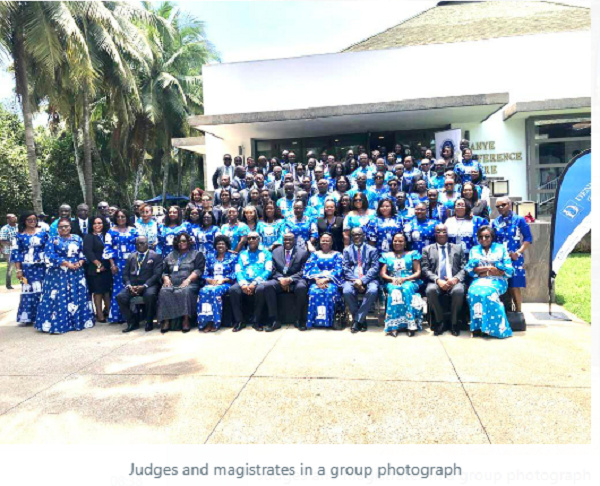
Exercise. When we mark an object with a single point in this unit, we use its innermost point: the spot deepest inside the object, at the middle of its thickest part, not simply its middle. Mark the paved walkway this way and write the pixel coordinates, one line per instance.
(102, 386)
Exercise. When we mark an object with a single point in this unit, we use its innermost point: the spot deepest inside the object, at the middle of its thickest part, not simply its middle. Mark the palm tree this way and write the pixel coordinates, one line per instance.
(35, 35)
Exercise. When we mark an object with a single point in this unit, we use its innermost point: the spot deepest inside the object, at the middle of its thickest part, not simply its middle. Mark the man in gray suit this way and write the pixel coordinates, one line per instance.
(443, 267)
(226, 168)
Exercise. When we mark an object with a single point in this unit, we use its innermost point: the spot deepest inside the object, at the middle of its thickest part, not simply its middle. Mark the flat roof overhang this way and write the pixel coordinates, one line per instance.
(369, 117)
(562, 106)
(191, 144)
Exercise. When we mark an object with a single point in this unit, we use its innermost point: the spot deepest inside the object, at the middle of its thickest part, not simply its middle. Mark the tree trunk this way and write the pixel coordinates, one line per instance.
(78, 165)
(166, 160)
(179, 172)
(23, 92)
(140, 167)
(87, 149)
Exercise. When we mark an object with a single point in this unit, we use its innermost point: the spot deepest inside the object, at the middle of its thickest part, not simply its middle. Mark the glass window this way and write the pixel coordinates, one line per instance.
(343, 143)
(560, 152)
(264, 147)
(563, 128)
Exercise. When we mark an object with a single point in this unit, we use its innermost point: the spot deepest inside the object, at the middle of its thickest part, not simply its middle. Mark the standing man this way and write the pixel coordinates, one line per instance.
(102, 211)
(443, 269)
(226, 168)
(514, 233)
(82, 224)
(225, 185)
(7, 234)
(361, 269)
(253, 267)
(288, 264)
(142, 276)
(64, 211)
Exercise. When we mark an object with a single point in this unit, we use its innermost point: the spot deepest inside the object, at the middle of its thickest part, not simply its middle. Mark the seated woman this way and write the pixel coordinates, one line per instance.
(490, 266)
(323, 271)
(401, 271)
(219, 275)
(28, 254)
(463, 226)
(182, 279)
(66, 304)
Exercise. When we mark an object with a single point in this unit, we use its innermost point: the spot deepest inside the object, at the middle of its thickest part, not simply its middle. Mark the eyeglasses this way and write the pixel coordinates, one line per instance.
(64, 226)
(501, 205)
(252, 237)
(485, 237)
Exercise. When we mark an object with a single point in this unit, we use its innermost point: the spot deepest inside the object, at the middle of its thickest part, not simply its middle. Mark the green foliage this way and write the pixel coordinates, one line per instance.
(573, 285)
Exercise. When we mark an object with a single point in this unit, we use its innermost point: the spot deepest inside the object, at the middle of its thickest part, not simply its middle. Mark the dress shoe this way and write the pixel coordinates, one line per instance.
(149, 327)
(131, 327)
(208, 327)
(185, 329)
(355, 328)
(272, 326)
(257, 327)
(392, 333)
(455, 331)
(363, 326)
(411, 333)
(302, 327)
(477, 333)
(238, 326)
(164, 330)
(10, 287)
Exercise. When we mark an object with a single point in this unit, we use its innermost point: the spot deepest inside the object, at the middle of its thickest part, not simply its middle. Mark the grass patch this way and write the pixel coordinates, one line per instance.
(573, 285)
(3, 273)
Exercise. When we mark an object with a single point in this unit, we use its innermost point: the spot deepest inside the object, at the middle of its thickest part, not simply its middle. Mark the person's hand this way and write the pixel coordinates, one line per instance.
(167, 282)
(139, 289)
(495, 272)
(442, 284)
(184, 284)
(452, 282)
(514, 255)
(252, 288)
(357, 284)
(245, 289)
(114, 269)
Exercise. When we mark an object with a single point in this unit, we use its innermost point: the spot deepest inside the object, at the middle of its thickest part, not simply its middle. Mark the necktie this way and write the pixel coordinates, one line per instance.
(443, 273)
(359, 259)
(85, 227)
(288, 258)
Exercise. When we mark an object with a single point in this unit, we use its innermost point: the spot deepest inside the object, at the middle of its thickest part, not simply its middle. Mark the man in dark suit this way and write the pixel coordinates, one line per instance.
(361, 269)
(226, 168)
(82, 225)
(443, 268)
(288, 264)
(141, 277)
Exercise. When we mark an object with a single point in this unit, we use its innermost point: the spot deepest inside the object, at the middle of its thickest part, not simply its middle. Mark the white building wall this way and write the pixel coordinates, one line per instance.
(530, 68)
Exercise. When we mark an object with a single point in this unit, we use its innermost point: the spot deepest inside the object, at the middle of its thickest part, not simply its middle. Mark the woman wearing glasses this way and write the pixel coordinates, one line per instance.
(27, 252)
(119, 243)
(490, 266)
(65, 304)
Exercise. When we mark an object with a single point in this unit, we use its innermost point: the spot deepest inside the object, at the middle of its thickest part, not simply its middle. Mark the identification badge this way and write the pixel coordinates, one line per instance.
(176, 268)
(123, 248)
(285, 269)
(218, 270)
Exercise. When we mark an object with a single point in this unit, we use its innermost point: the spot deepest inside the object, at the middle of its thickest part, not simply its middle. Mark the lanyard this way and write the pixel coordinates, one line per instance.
(139, 263)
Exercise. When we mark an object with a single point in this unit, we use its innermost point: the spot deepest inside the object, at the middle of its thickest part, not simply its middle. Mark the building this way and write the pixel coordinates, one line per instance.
(514, 76)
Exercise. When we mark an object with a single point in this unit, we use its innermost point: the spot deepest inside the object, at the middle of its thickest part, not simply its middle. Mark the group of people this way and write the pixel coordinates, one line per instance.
(335, 235)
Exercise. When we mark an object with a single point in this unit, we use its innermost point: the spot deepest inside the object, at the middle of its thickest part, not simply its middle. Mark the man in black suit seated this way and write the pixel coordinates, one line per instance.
(141, 277)
(443, 268)
(288, 264)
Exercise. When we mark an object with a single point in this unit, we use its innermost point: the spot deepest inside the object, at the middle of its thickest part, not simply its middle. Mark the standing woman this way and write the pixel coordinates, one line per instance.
(221, 210)
(333, 224)
(381, 230)
(323, 271)
(182, 278)
(270, 230)
(344, 206)
(235, 230)
(195, 199)
(490, 266)
(194, 219)
(401, 271)
(205, 235)
(27, 251)
(420, 231)
(303, 227)
(342, 186)
(478, 207)
(98, 272)
(173, 226)
(336, 171)
(250, 213)
(65, 304)
(254, 200)
(148, 227)
(359, 216)
(219, 275)
(463, 226)
(119, 243)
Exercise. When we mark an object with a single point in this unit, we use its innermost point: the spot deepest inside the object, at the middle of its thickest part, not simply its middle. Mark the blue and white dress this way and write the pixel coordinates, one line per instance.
(118, 246)
(420, 233)
(235, 233)
(512, 231)
(382, 231)
(463, 170)
(286, 206)
(487, 310)
(66, 304)
(167, 234)
(303, 230)
(357, 221)
(404, 303)
(322, 302)
(204, 239)
(210, 301)
(29, 251)
(463, 232)
(270, 233)
(449, 200)
(318, 202)
(150, 230)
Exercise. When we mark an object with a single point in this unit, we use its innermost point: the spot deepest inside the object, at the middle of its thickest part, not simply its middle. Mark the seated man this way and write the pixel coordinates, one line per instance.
(141, 276)
(253, 267)
(443, 269)
(288, 264)
(361, 269)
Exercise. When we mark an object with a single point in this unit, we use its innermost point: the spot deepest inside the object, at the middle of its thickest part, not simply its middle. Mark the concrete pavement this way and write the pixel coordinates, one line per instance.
(102, 386)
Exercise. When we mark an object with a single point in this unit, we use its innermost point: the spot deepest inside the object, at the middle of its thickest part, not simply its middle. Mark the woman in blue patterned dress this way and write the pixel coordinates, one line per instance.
(359, 216)
(323, 271)
(219, 275)
(490, 266)
(27, 251)
(235, 230)
(381, 230)
(463, 226)
(303, 227)
(119, 243)
(173, 226)
(148, 227)
(206, 234)
(66, 304)
(420, 231)
(401, 271)
(271, 230)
